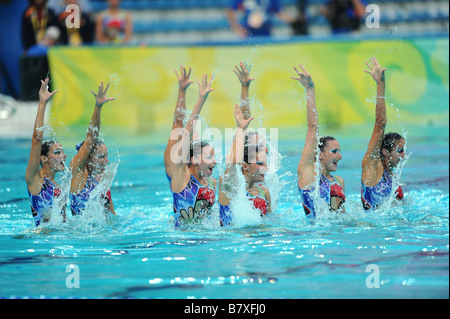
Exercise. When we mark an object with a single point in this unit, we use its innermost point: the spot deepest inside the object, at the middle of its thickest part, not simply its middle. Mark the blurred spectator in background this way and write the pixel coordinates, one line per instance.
(76, 36)
(51, 37)
(113, 25)
(257, 20)
(36, 19)
(344, 15)
(300, 25)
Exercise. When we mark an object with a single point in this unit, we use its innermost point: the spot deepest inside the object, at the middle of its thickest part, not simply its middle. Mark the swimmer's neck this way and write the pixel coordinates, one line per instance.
(327, 174)
(198, 175)
(48, 173)
(249, 184)
(388, 168)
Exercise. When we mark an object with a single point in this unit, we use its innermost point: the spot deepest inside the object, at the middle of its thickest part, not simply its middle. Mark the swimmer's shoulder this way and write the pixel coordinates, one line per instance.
(340, 180)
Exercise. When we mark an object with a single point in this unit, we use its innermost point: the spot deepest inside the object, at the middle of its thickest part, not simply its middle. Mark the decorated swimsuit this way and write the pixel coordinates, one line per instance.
(327, 190)
(42, 203)
(372, 197)
(78, 201)
(193, 200)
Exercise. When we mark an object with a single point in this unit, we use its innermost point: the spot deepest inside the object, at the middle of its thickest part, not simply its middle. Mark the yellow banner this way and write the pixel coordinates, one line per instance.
(145, 86)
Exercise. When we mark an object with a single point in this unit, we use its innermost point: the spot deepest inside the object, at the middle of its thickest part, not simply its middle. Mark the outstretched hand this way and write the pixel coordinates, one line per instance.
(44, 94)
(183, 78)
(304, 78)
(240, 121)
(100, 97)
(204, 86)
(243, 74)
(376, 71)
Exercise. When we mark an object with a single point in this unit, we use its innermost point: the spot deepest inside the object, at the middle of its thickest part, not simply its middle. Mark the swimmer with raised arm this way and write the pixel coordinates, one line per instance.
(190, 179)
(248, 154)
(47, 158)
(384, 153)
(89, 164)
(331, 187)
(252, 161)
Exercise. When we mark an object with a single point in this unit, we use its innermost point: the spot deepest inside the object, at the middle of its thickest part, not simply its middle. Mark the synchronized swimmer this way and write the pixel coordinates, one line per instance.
(250, 157)
(190, 175)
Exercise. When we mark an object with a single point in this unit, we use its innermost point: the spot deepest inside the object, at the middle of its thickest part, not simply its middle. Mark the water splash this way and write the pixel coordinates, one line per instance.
(95, 218)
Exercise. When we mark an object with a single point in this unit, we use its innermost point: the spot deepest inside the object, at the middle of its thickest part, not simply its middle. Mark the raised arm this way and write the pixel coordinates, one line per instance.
(79, 161)
(178, 170)
(180, 108)
(243, 74)
(306, 168)
(372, 158)
(179, 113)
(204, 88)
(32, 171)
(228, 180)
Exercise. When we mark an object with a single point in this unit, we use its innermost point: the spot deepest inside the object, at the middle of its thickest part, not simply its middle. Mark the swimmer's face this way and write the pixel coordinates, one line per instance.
(396, 154)
(98, 159)
(56, 159)
(208, 162)
(256, 169)
(330, 156)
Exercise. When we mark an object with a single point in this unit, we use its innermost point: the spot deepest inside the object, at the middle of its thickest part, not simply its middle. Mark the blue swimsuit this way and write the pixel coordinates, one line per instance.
(78, 201)
(327, 190)
(372, 197)
(42, 203)
(259, 201)
(192, 200)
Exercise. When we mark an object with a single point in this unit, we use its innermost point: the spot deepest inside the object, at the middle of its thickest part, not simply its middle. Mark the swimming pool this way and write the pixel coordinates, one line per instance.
(399, 253)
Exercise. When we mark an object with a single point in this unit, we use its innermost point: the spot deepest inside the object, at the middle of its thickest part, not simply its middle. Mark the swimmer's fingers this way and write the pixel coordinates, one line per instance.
(304, 78)
(189, 73)
(243, 67)
(182, 70)
(44, 84)
(44, 94)
(369, 66)
(301, 66)
(375, 61)
(52, 93)
(243, 74)
(107, 87)
(100, 97)
(204, 86)
(183, 80)
(305, 74)
(237, 110)
(240, 121)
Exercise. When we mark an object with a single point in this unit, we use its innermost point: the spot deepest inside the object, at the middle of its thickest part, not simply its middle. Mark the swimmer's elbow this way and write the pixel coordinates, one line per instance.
(381, 123)
(313, 127)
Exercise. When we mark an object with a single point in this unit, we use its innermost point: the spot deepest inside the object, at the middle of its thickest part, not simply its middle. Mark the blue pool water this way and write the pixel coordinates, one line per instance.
(139, 254)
